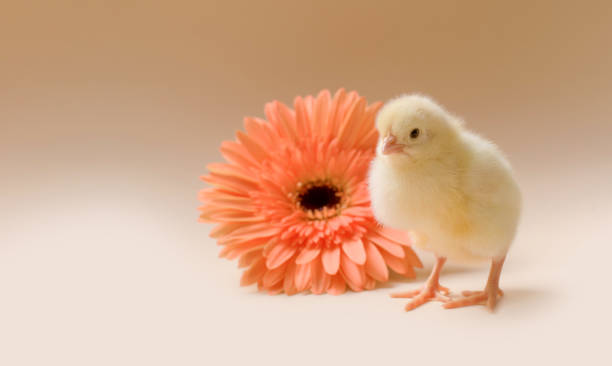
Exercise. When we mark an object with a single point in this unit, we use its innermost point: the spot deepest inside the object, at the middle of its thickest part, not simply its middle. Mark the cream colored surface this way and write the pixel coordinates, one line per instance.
(110, 110)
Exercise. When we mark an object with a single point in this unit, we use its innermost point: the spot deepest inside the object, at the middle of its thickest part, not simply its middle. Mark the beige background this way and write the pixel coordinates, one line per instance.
(110, 110)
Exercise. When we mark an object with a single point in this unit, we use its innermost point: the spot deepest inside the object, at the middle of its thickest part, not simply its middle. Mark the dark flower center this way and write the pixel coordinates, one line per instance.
(319, 195)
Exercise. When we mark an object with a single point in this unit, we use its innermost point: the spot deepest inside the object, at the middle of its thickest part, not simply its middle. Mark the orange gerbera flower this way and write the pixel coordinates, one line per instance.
(293, 204)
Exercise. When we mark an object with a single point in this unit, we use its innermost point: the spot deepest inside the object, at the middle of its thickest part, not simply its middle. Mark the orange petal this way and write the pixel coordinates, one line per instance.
(271, 245)
(320, 279)
(355, 251)
(301, 118)
(303, 274)
(399, 265)
(367, 125)
(334, 114)
(237, 154)
(231, 171)
(411, 257)
(354, 274)
(279, 255)
(358, 211)
(253, 274)
(256, 150)
(248, 258)
(231, 182)
(400, 237)
(391, 247)
(337, 285)
(352, 121)
(348, 103)
(331, 260)
(307, 255)
(236, 217)
(309, 106)
(206, 219)
(321, 112)
(232, 251)
(375, 264)
(256, 129)
(256, 230)
(282, 118)
(212, 193)
(246, 236)
(370, 283)
(275, 275)
(287, 117)
(236, 203)
(371, 138)
(289, 282)
(276, 289)
(231, 215)
(226, 228)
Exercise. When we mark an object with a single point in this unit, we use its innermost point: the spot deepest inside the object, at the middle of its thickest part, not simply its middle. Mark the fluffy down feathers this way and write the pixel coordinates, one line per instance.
(451, 188)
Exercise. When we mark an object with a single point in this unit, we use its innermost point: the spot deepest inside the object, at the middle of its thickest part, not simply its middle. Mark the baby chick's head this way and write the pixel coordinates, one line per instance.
(414, 128)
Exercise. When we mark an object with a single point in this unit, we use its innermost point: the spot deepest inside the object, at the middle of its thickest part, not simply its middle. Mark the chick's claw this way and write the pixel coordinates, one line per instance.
(487, 297)
(425, 294)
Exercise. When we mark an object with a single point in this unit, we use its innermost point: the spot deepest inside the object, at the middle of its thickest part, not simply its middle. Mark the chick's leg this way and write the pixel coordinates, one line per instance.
(488, 296)
(432, 290)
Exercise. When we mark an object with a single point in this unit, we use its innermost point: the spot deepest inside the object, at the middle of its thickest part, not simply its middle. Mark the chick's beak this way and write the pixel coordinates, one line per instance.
(390, 145)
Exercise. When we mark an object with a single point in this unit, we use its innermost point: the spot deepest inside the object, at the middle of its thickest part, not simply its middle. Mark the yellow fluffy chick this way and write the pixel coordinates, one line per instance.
(451, 189)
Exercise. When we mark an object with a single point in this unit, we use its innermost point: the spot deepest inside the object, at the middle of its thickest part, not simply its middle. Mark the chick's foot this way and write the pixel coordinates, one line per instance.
(488, 297)
(429, 292)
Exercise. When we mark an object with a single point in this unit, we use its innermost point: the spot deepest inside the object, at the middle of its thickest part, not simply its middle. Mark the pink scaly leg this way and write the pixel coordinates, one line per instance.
(488, 296)
(430, 291)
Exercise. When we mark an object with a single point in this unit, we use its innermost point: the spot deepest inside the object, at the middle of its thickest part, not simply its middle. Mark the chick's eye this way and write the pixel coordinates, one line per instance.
(415, 133)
